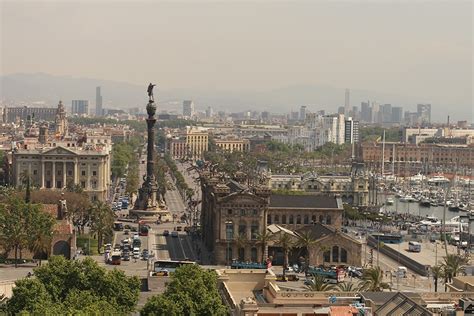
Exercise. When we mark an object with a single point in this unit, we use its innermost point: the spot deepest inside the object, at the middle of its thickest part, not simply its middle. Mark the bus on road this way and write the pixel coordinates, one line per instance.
(170, 265)
(414, 246)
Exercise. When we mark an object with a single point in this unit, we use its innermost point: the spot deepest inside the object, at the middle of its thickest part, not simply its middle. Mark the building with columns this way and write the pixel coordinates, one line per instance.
(54, 168)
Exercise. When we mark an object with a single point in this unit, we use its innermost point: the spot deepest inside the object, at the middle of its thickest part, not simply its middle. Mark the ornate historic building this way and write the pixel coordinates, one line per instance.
(233, 215)
(353, 189)
(231, 219)
(53, 168)
(61, 125)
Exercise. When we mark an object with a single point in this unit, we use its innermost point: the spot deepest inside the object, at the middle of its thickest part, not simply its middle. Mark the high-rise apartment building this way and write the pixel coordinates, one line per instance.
(303, 113)
(347, 102)
(365, 112)
(386, 113)
(351, 131)
(80, 107)
(188, 108)
(209, 112)
(397, 114)
(98, 102)
(424, 113)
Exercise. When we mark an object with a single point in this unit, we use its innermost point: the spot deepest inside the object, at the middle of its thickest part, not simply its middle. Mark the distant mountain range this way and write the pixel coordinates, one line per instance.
(51, 89)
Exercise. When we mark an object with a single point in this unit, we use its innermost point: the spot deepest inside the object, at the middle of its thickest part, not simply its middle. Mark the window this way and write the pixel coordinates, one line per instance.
(255, 212)
(335, 254)
(94, 173)
(242, 229)
(343, 255)
(327, 256)
(253, 254)
(313, 219)
(291, 220)
(59, 184)
(229, 212)
(298, 219)
(306, 219)
(69, 172)
(321, 219)
(269, 219)
(229, 231)
(35, 172)
(83, 172)
(328, 220)
(83, 184)
(48, 172)
(283, 219)
(254, 230)
(276, 219)
(242, 212)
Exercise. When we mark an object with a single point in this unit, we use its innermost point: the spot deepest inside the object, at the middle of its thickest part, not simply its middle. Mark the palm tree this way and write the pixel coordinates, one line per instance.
(263, 239)
(438, 273)
(318, 284)
(374, 280)
(304, 242)
(452, 266)
(286, 243)
(241, 241)
(348, 287)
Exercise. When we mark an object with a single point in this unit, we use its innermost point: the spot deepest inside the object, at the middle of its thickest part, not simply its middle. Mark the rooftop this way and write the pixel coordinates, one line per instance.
(304, 201)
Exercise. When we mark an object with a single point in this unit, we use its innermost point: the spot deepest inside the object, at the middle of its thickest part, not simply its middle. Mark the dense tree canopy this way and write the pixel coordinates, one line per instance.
(192, 291)
(23, 226)
(75, 287)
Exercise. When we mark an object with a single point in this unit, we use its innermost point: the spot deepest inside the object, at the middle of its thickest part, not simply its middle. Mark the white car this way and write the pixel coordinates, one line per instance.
(136, 254)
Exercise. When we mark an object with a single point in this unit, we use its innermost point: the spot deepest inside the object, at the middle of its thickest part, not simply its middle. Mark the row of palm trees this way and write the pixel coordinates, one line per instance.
(372, 281)
(452, 266)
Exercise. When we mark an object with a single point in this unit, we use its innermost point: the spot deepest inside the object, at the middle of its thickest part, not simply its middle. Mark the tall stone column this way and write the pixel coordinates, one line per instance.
(76, 171)
(42, 174)
(54, 174)
(64, 174)
(88, 184)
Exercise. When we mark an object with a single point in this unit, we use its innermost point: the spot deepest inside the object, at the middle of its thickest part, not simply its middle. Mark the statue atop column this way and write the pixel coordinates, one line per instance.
(148, 203)
(150, 92)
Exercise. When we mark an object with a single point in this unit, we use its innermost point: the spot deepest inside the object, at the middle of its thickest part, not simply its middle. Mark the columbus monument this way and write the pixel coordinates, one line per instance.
(147, 205)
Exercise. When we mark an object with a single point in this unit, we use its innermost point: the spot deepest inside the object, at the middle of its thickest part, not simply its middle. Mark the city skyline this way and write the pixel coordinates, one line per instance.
(279, 45)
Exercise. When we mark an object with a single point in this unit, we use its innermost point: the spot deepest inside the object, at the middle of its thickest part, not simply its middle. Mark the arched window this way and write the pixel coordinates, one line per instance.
(321, 219)
(306, 219)
(298, 219)
(343, 255)
(327, 256)
(283, 219)
(229, 230)
(328, 220)
(276, 219)
(253, 254)
(254, 230)
(241, 254)
(313, 219)
(291, 219)
(335, 254)
(269, 219)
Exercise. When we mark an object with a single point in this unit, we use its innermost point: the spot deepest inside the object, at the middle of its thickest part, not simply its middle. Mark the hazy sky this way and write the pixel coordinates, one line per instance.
(410, 48)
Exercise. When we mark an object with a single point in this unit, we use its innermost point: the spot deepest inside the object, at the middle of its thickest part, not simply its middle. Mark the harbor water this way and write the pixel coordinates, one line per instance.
(414, 208)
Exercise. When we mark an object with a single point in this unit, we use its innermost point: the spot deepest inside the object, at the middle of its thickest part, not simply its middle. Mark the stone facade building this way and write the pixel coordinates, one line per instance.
(353, 189)
(233, 215)
(53, 168)
(231, 219)
(190, 144)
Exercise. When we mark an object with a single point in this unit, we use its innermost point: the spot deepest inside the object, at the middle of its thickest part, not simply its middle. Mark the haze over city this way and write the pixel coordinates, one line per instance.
(406, 52)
